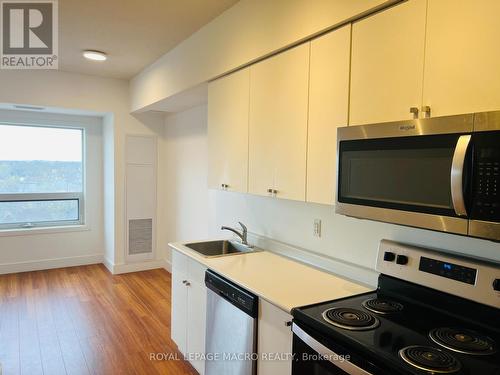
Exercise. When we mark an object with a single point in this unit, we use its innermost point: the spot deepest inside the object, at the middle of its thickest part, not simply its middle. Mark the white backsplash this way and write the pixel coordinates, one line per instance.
(347, 239)
(196, 213)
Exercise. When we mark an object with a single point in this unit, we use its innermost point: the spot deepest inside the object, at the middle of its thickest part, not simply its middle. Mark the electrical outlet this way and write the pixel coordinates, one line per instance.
(317, 228)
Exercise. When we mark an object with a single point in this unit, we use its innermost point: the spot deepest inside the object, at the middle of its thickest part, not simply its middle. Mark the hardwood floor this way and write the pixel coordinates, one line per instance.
(83, 320)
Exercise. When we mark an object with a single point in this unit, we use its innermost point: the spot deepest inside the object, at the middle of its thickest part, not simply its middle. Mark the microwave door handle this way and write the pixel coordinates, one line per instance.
(457, 173)
(329, 355)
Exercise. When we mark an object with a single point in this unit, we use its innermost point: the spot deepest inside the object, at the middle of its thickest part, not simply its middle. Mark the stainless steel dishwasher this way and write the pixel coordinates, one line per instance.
(231, 335)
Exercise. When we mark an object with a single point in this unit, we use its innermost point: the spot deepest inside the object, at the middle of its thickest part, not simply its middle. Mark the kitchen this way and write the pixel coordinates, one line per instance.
(343, 141)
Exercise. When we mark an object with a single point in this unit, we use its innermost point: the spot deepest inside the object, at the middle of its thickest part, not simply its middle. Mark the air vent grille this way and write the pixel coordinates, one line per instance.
(140, 235)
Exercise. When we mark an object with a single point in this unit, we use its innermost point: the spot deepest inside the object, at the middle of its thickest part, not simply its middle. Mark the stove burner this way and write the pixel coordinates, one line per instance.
(463, 341)
(382, 306)
(429, 359)
(351, 319)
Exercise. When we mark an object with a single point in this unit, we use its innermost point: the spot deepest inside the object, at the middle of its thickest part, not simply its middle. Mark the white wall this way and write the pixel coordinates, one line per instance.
(109, 188)
(63, 91)
(346, 239)
(187, 196)
(37, 248)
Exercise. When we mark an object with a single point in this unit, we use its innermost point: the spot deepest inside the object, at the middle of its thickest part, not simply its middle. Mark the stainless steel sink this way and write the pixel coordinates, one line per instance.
(219, 248)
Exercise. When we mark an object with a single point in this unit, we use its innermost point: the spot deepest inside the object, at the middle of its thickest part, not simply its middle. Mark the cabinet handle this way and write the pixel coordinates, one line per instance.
(224, 186)
(414, 110)
(184, 281)
(427, 110)
(288, 323)
(188, 283)
(272, 192)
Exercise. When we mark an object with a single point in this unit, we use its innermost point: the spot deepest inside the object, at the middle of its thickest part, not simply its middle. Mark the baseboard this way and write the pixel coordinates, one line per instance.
(46, 264)
(136, 267)
(322, 262)
(108, 264)
(81, 261)
(168, 265)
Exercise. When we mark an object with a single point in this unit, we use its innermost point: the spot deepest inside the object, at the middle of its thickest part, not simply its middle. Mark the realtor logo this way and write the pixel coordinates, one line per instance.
(29, 37)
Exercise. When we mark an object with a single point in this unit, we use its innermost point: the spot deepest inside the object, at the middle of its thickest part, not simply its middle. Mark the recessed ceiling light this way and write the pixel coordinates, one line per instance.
(95, 55)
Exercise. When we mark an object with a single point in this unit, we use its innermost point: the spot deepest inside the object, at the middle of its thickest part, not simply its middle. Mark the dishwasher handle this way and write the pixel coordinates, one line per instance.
(234, 294)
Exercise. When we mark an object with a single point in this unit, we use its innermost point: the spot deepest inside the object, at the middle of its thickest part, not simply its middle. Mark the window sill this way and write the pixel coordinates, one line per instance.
(42, 230)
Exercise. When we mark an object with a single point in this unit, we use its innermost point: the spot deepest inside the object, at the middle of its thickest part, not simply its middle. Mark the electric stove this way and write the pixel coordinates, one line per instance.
(432, 313)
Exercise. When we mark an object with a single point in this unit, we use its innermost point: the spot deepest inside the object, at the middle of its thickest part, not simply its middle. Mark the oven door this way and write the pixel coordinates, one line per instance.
(311, 357)
(416, 177)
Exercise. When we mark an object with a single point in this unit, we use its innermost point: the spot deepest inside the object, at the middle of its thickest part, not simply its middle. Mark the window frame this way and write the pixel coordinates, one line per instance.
(45, 197)
(57, 123)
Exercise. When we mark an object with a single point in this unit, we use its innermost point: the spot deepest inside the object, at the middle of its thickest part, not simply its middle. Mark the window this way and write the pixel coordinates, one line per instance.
(41, 176)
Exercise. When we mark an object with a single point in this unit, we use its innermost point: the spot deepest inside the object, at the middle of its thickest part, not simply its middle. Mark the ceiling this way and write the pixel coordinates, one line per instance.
(133, 33)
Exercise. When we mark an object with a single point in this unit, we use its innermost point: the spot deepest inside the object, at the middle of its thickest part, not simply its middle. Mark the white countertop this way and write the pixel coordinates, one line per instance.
(281, 281)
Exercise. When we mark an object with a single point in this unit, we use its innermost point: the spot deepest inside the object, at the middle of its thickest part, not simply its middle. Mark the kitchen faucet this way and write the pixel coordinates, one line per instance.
(243, 234)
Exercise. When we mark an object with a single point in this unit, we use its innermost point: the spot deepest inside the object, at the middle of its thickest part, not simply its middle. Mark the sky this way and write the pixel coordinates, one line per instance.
(39, 143)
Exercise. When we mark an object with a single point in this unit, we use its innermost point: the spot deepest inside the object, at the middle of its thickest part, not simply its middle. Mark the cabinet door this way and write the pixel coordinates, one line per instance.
(328, 109)
(196, 318)
(228, 132)
(179, 301)
(462, 58)
(387, 64)
(278, 124)
(274, 336)
(196, 312)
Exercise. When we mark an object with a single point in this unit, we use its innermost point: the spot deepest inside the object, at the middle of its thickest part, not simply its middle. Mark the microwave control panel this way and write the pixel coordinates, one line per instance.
(486, 194)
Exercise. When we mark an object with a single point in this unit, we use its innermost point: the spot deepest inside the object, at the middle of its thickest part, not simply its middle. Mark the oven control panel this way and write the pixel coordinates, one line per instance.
(449, 270)
(461, 276)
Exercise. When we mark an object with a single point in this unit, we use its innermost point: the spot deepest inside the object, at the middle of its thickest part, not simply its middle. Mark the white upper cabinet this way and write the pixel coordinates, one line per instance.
(387, 64)
(462, 58)
(228, 132)
(272, 126)
(328, 109)
(278, 124)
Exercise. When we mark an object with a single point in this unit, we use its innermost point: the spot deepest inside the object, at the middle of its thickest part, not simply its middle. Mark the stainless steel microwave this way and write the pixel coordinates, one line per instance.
(438, 173)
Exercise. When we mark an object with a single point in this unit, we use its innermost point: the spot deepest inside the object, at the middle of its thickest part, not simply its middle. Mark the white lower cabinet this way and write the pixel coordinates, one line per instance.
(274, 340)
(179, 302)
(189, 301)
(189, 305)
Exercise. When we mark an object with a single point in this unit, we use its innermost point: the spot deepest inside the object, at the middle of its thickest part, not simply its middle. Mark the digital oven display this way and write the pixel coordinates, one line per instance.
(449, 270)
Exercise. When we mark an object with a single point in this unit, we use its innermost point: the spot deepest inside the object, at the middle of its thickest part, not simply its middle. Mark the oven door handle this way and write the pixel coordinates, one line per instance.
(329, 355)
(457, 174)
